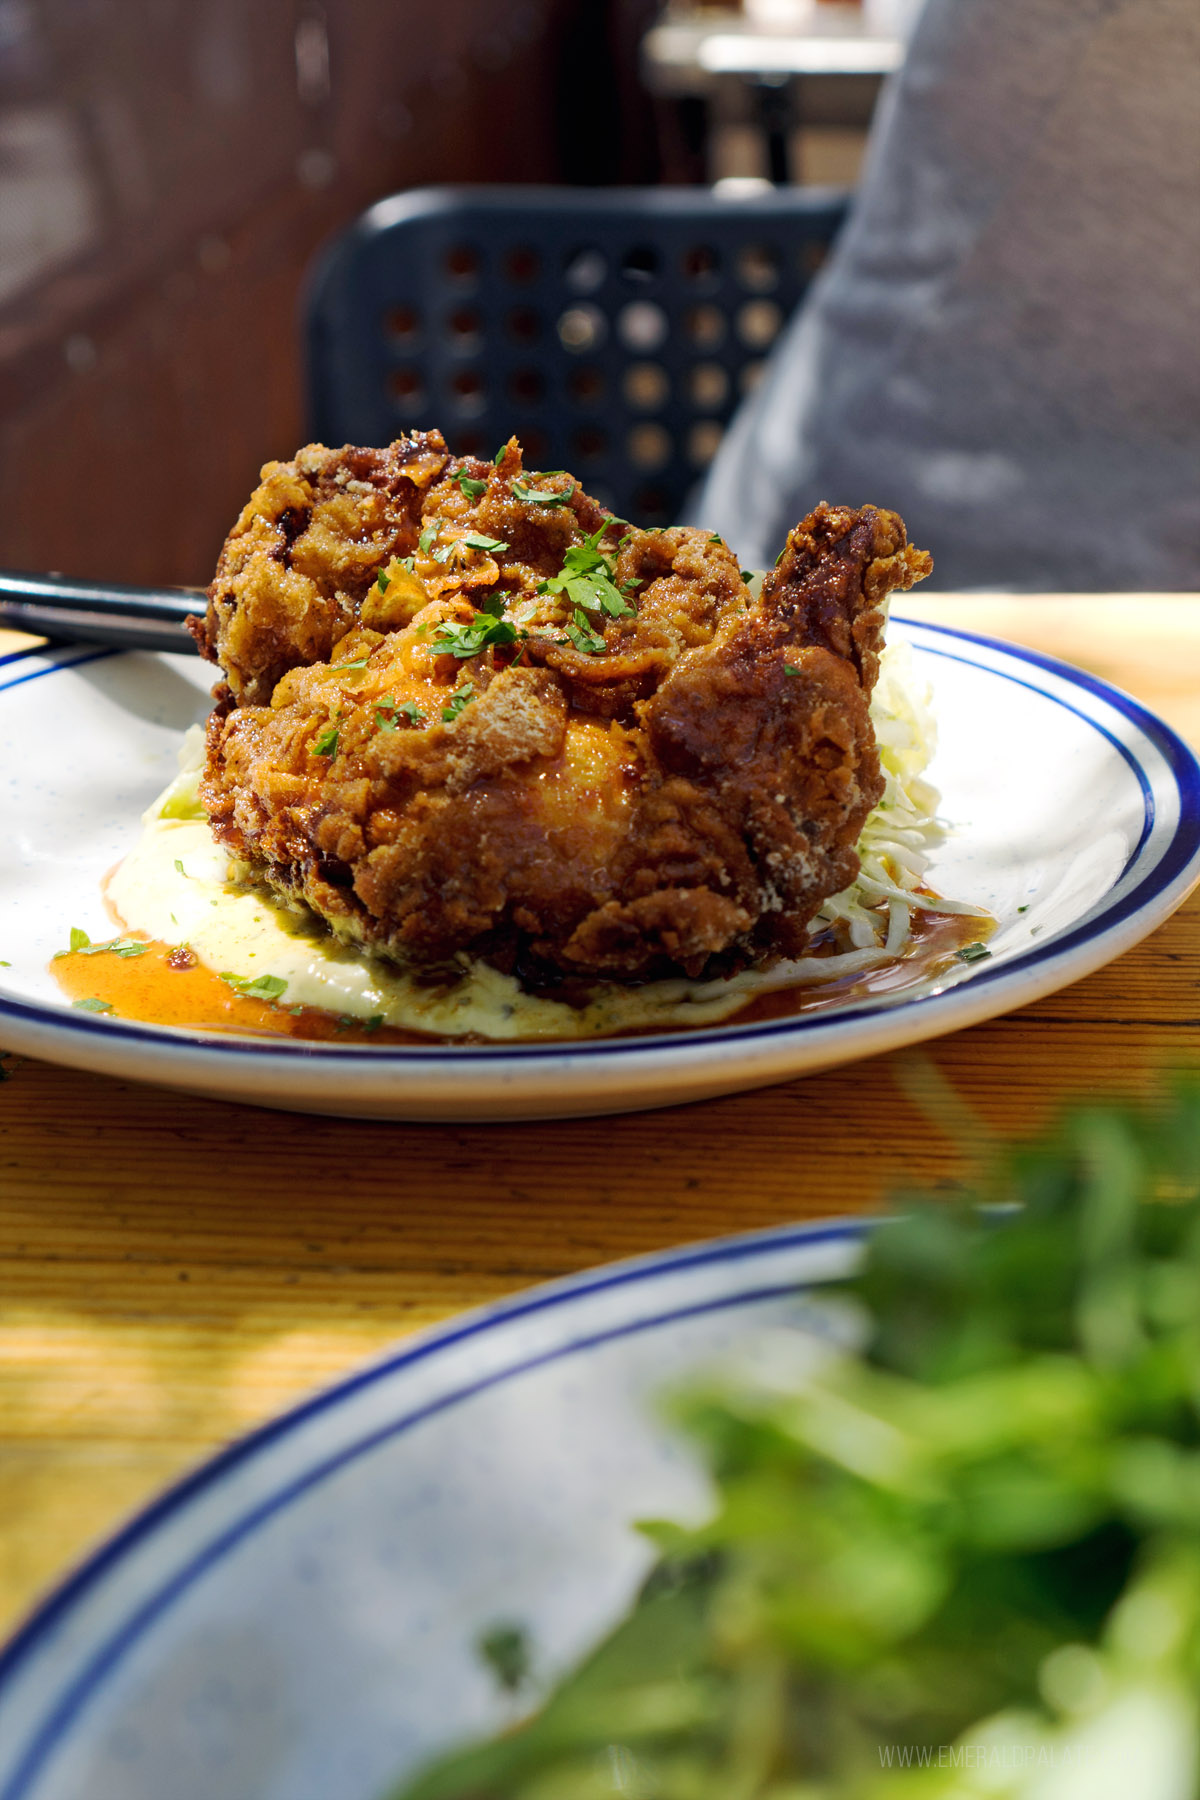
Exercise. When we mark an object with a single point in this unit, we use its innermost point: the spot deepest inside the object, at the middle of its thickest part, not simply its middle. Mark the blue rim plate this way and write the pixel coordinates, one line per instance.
(1075, 819)
(297, 1619)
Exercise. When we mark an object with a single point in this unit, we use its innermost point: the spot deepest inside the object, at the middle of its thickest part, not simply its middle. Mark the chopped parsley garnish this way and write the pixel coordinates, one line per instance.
(747, 575)
(348, 668)
(790, 669)
(542, 496)
(973, 953)
(82, 945)
(383, 581)
(327, 742)
(471, 489)
(583, 637)
(715, 538)
(373, 1023)
(463, 697)
(505, 1650)
(587, 580)
(408, 709)
(180, 870)
(468, 640)
(470, 540)
(91, 1004)
(499, 456)
(259, 987)
(426, 539)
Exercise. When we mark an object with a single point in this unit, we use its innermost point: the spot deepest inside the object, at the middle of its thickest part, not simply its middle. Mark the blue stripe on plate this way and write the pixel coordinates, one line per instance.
(54, 668)
(48, 1733)
(1183, 847)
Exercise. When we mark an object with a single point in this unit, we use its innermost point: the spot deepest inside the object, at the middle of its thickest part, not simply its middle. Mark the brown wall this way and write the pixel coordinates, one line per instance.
(174, 165)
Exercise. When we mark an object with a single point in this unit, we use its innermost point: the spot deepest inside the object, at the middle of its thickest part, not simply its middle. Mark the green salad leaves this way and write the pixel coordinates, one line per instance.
(961, 1560)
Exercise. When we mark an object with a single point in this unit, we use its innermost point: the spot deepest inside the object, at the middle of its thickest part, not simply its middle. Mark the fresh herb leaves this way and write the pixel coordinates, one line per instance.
(588, 580)
(463, 697)
(82, 945)
(383, 581)
(407, 709)
(327, 741)
(92, 1005)
(468, 640)
(583, 637)
(471, 488)
(259, 987)
(971, 953)
(542, 496)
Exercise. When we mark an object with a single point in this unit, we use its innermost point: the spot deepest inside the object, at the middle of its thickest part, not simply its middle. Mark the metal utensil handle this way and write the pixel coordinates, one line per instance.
(99, 612)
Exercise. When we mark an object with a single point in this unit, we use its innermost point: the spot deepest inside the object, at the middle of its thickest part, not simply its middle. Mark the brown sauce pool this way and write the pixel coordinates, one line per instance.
(167, 986)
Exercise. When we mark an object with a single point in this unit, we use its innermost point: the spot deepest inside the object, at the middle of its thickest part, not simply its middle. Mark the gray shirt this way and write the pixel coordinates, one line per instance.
(1005, 345)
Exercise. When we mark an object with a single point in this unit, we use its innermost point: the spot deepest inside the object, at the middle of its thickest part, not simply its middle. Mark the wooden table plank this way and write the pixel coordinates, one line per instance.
(175, 1270)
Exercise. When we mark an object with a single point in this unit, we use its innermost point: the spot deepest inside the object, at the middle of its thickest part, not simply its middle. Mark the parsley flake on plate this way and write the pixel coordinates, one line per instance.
(258, 987)
(972, 953)
(92, 1005)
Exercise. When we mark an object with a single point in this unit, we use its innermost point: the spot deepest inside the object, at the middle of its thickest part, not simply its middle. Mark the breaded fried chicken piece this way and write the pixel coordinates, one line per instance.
(468, 711)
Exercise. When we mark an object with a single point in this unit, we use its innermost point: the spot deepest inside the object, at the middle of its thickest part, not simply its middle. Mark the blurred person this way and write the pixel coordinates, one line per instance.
(1004, 343)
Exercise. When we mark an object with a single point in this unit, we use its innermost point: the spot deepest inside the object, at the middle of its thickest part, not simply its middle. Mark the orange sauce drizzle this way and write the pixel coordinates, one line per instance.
(165, 986)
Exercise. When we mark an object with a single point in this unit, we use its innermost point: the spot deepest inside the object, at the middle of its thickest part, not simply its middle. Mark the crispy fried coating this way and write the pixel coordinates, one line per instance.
(469, 712)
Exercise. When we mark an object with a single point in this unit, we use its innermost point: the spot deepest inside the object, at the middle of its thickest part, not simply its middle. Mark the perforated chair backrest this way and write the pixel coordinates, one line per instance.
(614, 331)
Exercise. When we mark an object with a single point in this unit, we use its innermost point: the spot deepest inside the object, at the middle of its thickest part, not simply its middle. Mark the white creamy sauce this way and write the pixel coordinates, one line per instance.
(174, 886)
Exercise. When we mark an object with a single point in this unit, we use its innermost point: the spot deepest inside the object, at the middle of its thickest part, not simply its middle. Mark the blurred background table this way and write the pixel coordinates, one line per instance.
(174, 1271)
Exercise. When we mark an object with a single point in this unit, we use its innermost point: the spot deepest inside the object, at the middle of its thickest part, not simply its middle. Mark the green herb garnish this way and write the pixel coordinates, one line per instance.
(505, 1651)
(92, 1005)
(426, 539)
(81, 945)
(471, 488)
(583, 637)
(542, 496)
(468, 640)
(383, 581)
(960, 1511)
(327, 742)
(973, 953)
(348, 668)
(462, 697)
(258, 987)
(790, 669)
(588, 579)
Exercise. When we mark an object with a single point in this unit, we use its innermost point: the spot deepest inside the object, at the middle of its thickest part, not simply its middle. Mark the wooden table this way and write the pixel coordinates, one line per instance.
(173, 1270)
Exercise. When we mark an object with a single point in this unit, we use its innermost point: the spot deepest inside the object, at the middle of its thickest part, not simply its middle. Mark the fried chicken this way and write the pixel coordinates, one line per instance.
(467, 711)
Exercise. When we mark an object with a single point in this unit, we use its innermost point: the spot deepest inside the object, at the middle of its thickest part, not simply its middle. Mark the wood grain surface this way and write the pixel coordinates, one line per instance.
(175, 1270)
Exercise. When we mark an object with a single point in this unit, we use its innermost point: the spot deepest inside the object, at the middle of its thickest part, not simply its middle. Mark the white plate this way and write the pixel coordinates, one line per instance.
(297, 1621)
(1077, 818)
